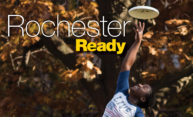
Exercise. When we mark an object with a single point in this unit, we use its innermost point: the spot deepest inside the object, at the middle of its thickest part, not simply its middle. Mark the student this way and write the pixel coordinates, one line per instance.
(127, 101)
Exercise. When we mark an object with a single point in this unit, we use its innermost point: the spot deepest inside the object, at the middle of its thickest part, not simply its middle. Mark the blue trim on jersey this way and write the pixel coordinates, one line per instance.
(139, 113)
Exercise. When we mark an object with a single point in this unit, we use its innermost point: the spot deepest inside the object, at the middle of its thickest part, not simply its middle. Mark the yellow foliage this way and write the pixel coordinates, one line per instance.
(3, 56)
(148, 34)
(94, 4)
(189, 110)
(177, 22)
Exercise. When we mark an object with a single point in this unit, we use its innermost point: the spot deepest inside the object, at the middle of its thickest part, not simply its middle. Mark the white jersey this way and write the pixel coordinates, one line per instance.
(118, 106)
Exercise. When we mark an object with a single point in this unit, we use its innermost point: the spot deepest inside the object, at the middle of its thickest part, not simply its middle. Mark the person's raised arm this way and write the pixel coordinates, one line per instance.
(122, 82)
(132, 52)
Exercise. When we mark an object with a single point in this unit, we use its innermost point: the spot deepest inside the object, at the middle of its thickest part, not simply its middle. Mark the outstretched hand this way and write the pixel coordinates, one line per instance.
(139, 28)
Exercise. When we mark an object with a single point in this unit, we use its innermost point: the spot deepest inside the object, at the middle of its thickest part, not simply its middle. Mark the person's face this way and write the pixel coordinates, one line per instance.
(140, 90)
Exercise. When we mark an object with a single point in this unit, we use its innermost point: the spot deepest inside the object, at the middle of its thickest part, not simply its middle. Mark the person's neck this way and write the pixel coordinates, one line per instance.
(132, 100)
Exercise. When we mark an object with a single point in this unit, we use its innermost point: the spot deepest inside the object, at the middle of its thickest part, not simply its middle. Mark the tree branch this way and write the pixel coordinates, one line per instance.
(169, 79)
(60, 49)
(164, 93)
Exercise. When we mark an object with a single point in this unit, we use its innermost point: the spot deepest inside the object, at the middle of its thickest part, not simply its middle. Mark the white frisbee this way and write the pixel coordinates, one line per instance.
(143, 12)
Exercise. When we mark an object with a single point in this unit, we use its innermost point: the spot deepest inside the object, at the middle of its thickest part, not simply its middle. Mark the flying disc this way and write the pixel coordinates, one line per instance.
(143, 12)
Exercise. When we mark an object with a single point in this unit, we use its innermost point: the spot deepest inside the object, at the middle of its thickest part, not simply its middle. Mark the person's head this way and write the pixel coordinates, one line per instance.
(144, 95)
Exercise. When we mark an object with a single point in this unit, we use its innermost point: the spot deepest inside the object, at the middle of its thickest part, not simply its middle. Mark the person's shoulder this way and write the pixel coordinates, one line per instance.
(139, 109)
(139, 112)
(125, 92)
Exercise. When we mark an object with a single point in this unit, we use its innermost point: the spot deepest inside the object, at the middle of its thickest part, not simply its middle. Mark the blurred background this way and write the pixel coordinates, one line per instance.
(45, 77)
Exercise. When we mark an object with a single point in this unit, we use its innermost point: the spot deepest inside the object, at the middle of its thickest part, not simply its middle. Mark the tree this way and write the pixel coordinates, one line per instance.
(43, 76)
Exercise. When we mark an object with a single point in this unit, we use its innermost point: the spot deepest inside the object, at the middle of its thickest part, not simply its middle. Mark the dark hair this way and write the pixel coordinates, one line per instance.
(149, 101)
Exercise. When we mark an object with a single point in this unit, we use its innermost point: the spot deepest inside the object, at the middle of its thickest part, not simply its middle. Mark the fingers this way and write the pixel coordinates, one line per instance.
(139, 26)
(136, 24)
(135, 30)
(143, 25)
